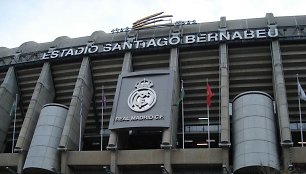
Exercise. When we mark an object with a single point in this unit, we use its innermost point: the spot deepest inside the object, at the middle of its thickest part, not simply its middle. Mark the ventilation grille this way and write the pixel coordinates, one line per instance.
(250, 70)
(150, 62)
(27, 78)
(64, 78)
(294, 57)
(196, 67)
(105, 73)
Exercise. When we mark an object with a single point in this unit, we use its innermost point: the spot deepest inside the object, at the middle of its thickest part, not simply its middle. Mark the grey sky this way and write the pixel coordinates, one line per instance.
(45, 20)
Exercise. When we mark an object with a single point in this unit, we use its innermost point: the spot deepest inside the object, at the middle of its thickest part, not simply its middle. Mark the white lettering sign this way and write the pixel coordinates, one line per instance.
(164, 41)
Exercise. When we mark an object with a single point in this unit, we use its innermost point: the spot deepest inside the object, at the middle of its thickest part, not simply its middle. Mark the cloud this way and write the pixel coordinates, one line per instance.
(45, 20)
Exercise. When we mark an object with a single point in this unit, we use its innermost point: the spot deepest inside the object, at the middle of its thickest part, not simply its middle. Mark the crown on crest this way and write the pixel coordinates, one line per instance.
(145, 83)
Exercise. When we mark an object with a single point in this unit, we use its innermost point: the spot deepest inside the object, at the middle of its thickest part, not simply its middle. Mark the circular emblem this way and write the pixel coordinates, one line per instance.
(143, 98)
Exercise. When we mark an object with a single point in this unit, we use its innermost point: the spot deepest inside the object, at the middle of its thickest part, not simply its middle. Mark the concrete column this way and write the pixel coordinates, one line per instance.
(279, 85)
(126, 68)
(83, 91)
(8, 91)
(225, 161)
(116, 139)
(286, 159)
(167, 161)
(21, 159)
(113, 166)
(174, 64)
(65, 169)
(43, 93)
(127, 63)
(224, 99)
(280, 93)
(224, 88)
(169, 135)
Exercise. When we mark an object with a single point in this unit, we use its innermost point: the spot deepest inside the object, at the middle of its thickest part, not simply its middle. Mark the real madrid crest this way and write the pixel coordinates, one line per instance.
(143, 97)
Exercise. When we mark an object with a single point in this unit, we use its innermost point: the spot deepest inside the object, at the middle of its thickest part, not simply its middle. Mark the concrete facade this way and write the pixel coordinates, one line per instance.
(236, 56)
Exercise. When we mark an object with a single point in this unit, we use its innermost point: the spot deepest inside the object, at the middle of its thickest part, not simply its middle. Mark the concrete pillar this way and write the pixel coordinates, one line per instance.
(21, 159)
(116, 139)
(113, 166)
(225, 161)
(126, 68)
(224, 99)
(224, 88)
(65, 169)
(83, 91)
(8, 91)
(167, 161)
(174, 64)
(44, 93)
(280, 95)
(286, 160)
(169, 135)
(127, 63)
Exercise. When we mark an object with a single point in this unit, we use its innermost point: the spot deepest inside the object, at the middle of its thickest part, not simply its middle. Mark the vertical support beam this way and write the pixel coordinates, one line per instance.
(169, 135)
(21, 159)
(126, 68)
(70, 136)
(286, 157)
(167, 161)
(224, 141)
(116, 139)
(127, 63)
(44, 93)
(8, 91)
(64, 167)
(224, 92)
(113, 166)
(225, 160)
(280, 95)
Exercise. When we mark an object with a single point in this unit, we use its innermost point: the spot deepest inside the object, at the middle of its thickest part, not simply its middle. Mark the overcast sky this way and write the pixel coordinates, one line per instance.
(45, 20)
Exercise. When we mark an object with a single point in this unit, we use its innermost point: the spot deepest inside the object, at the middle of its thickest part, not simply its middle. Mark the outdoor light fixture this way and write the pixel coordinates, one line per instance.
(225, 168)
(164, 171)
(203, 118)
(202, 144)
(211, 141)
(62, 148)
(107, 170)
(10, 170)
(290, 167)
(188, 141)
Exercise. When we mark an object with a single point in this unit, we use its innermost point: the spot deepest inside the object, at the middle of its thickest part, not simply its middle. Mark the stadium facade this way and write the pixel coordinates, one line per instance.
(148, 89)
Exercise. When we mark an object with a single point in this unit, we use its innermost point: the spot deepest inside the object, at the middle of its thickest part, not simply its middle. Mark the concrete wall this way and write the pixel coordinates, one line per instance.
(43, 93)
(81, 100)
(8, 91)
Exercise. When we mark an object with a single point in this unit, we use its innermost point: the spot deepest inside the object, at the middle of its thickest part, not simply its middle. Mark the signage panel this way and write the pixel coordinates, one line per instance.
(143, 99)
